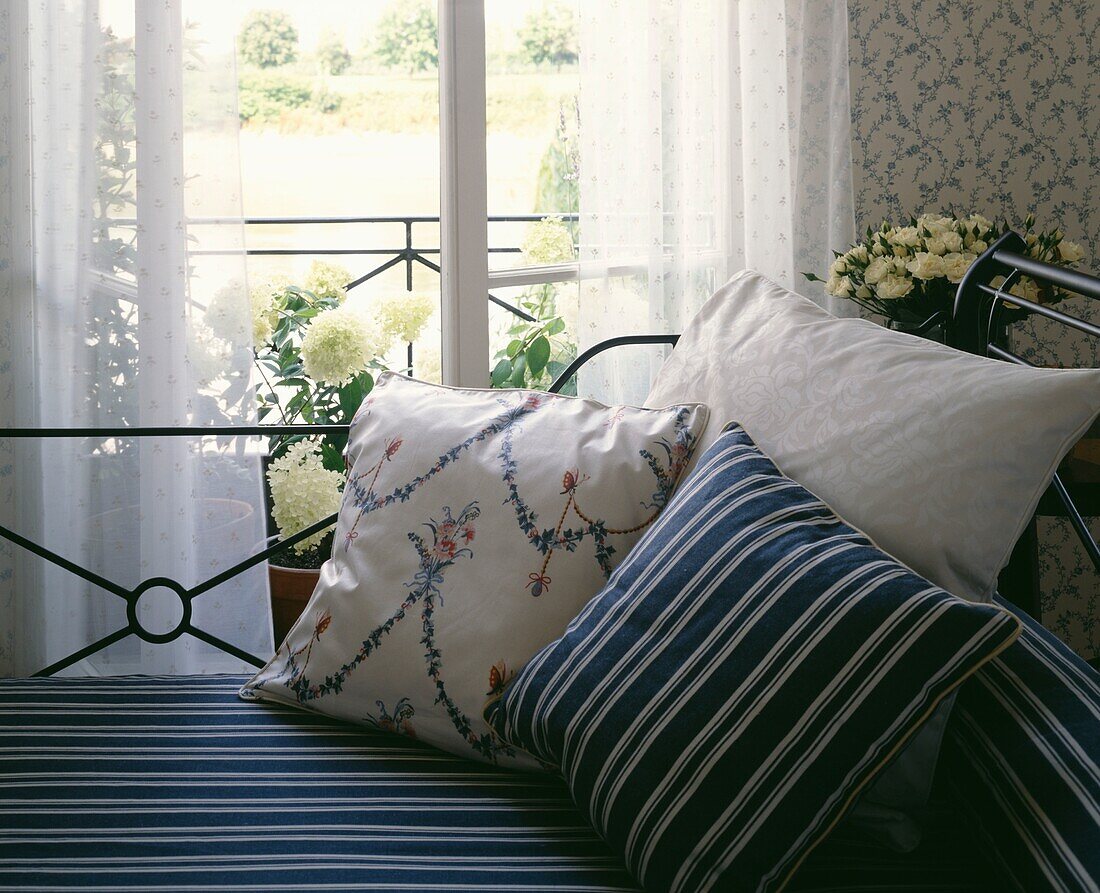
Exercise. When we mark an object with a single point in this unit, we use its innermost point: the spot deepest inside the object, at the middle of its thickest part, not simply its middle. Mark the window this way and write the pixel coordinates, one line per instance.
(341, 150)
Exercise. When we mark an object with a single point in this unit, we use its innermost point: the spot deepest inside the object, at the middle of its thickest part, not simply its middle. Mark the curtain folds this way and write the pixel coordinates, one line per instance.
(120, 141)
(714, 136)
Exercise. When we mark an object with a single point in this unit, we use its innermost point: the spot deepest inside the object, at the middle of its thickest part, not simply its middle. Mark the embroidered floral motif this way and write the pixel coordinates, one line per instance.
(547, 540)
(399, 721)
(447, 545)
(390, 448)
(677, 453)
(324, 619)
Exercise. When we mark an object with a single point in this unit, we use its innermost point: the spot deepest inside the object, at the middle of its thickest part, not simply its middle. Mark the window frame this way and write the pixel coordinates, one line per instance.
(465, 279)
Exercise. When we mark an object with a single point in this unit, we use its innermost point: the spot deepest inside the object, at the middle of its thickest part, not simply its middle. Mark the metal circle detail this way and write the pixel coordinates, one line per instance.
(147, 635)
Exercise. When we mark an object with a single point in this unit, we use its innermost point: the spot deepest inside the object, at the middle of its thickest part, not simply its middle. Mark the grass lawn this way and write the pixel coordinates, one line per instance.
(515, 103)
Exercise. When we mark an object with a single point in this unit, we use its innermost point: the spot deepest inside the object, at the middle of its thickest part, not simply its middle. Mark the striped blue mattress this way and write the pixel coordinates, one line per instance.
(172, 783)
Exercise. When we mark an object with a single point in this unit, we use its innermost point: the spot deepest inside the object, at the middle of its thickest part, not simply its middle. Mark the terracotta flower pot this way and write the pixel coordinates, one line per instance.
(291, 588)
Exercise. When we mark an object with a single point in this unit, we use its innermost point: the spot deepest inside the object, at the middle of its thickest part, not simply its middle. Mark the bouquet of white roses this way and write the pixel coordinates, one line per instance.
(908, 273)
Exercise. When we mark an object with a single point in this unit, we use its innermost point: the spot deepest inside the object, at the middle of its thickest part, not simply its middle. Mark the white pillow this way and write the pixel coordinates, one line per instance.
(937, 455)
(474, 526)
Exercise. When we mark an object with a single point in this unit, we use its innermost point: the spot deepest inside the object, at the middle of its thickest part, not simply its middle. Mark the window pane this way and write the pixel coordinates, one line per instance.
(531, 125)
(554, 306)
(345, 123)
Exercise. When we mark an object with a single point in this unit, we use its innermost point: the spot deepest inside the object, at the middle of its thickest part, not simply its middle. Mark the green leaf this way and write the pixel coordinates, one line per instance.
(538, 355)
(350, 396)
(556, 326)
(519, 369)
(514, 347)
(331, 458)
(502, 371)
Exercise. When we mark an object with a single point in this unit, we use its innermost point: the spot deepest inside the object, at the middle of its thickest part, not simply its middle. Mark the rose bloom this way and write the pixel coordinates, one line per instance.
(893, 287)
(952, 242)
(875, 271)
(925, 266)
(908, 236)
(840, 286)
(1070, 252)
(935, 245)
(955, 265)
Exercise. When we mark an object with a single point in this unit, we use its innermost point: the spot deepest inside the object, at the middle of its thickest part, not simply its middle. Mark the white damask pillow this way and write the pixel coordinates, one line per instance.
(939, 456)
(475, 525)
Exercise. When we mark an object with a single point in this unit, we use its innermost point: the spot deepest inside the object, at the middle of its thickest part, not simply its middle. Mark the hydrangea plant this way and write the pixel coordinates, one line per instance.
(316, 355)
(908, 273)
(303, 492)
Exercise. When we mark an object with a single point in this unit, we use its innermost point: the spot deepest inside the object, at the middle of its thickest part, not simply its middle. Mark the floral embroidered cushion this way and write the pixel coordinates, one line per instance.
(475, 524)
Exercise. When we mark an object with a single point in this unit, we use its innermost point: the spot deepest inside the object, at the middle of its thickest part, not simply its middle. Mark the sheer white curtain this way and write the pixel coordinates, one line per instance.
(119, 134)
(714, 136)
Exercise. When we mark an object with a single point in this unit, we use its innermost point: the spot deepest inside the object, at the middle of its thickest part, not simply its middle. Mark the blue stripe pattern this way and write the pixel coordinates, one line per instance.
(174, 784)
(1021, 752)
(749, 667)
(166, 784)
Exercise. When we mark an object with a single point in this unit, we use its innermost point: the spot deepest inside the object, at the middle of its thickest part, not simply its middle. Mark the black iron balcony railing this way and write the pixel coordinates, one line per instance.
(408, 254)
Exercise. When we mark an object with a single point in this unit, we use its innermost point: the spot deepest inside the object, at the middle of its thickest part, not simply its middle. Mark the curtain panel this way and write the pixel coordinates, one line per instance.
(714, 136)
(120, 306)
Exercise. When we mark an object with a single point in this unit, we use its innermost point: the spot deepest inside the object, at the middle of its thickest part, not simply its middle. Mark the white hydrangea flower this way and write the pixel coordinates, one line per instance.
(265, 315)
(428, 364)
(227, 312)
(207, 354)
(303, 492)
(403, 317)
(976, 246)
(327, 280)
(548, 241)
(839, 267)
(892, 287)
(925, 265)
(340, 343)
(956, 264)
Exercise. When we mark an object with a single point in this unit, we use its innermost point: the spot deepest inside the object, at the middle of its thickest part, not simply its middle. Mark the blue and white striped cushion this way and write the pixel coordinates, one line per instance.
(749, 667)
(1021, 751)
(160, 784)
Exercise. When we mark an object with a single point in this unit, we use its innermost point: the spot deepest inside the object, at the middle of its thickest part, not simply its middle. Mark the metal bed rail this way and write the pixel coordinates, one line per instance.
(187, 594)
(975, 325)
(979, 326)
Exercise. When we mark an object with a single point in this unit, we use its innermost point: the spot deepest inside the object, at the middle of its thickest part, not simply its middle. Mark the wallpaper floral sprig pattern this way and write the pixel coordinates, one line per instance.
(991, 107)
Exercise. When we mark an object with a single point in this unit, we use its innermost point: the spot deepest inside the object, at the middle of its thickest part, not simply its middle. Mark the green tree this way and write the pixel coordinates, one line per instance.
(267, 39)
(408, 36)
(332, 55)
(549, 35)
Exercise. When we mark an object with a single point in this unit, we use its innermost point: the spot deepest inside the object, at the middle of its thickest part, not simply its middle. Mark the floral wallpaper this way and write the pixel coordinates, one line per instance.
(991, 107)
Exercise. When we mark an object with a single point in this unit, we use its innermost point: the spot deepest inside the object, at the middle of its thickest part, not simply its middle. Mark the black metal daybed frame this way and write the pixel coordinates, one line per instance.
(976, 324)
